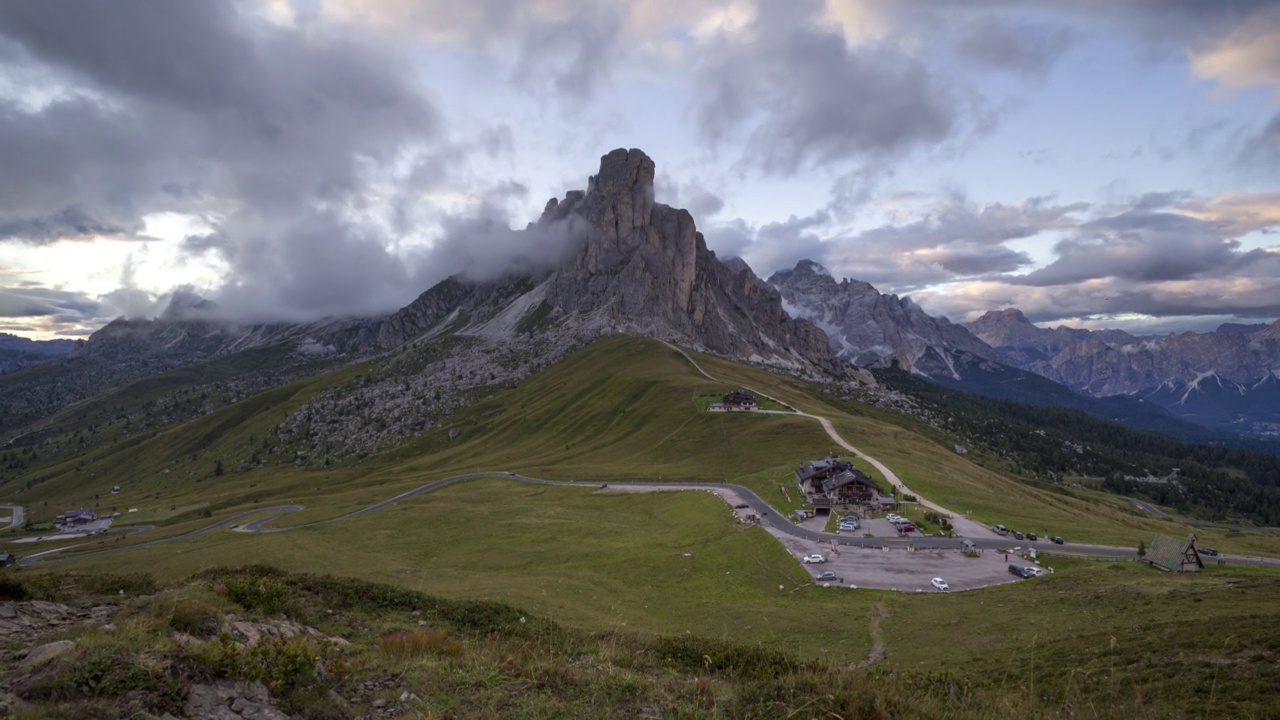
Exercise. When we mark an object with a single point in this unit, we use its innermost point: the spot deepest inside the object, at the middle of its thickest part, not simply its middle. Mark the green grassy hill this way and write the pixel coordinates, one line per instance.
(654, 566)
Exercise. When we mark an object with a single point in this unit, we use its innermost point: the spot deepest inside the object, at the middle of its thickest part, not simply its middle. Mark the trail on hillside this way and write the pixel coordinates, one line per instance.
(878, 612)
(830, 428)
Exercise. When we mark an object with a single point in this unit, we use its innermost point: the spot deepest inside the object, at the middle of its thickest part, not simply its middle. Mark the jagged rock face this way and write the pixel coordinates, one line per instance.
(1219, 378)
(867, 327)
(1021, 343)
(639, 267)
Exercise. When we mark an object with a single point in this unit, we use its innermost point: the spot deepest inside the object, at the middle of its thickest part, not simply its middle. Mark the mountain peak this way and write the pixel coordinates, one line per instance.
(1006, 315)
(811, 268)
(622, 171)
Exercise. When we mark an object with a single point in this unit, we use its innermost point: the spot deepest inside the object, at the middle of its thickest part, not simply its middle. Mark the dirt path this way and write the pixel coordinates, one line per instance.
(962, 526)
(878, 612)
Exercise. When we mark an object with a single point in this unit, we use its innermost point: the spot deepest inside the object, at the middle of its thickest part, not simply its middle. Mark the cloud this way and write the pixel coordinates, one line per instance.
(1144, 246)
(44, 302)
(806, 99)
(772, 246)
(1007, 46)
(692, 196)
(289, 139)
(1247, 56)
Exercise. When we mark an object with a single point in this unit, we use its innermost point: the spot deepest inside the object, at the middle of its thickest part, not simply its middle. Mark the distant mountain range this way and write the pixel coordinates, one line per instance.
(18, 352)
(1228, 379)
(632, 265)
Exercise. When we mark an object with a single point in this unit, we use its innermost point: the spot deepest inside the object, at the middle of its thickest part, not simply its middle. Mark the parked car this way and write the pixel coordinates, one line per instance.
(893, 518)
(940, 584)
(848, 526)
(740, 506)
(1017, 535)
(1025, 571)
(1001, 530)
(826, 575)
(1057, 540)
(1032, 537)
(814, 559)
(906, 528)
(1016, 570)
(1207, 551)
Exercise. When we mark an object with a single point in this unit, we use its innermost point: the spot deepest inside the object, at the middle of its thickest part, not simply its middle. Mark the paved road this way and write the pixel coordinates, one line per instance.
(978, 534)
(962, 525)
(44, 557)
(1202, 523)
(768, 515)
(17, 518)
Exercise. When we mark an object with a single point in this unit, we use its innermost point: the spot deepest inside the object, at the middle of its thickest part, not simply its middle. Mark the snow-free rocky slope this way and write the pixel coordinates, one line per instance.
(1229, 378)
(632, 265)
(638, 266)
(870, 328)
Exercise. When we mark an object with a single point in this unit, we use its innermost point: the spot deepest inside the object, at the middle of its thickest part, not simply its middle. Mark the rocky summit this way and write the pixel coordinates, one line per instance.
(636, 266)
(867, 327)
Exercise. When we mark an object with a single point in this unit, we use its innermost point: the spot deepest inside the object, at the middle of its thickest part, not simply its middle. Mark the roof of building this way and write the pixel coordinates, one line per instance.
(1170, 552)
(740, 396)
(81, 511)
(848, 476)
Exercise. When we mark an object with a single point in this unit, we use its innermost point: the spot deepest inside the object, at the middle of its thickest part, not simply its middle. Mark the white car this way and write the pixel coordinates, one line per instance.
(940, 584)
(814, 559)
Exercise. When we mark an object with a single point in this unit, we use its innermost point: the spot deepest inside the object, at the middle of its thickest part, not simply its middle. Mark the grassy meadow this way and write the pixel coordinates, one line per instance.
(1087, 641)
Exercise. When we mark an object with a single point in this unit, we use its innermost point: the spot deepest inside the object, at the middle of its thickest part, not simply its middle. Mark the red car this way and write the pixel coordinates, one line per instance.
(906, 528)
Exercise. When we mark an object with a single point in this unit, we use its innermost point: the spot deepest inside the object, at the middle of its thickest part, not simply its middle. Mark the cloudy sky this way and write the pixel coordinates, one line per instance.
(1096, 163)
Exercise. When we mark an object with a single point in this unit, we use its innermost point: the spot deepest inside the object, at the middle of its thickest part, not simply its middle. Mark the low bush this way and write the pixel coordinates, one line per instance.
(198, 618)
(410, 644)
(11, 589)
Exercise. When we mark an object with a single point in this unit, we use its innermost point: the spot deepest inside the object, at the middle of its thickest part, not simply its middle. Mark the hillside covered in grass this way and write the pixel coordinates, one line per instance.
(260, 640)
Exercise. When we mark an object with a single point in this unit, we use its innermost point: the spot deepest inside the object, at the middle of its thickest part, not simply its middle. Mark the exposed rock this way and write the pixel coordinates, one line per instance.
(866, 327)
(42, 654)
(1219, 378)
(227, 700)
(26, 621)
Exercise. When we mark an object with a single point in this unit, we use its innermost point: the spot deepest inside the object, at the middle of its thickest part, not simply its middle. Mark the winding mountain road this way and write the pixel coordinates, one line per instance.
(16, 516)
(968, 531)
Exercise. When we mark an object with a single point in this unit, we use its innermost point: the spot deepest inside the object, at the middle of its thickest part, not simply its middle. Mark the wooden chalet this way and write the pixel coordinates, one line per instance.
(849, 486)
(739, 400)
(1174, 555)
(829, 482)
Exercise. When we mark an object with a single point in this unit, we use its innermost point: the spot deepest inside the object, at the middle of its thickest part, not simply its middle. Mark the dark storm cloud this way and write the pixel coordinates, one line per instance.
(1012, 47)
(805, 98)
(206, 107)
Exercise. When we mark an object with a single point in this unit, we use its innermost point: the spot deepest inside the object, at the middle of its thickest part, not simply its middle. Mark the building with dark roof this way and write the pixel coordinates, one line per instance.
(836, 482)
(740, 400)
(1174, 555)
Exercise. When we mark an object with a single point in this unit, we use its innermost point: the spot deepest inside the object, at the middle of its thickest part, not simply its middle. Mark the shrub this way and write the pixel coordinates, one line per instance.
(698, 654)
(264, 594)
(409, 644)
(117, 584)
(195, 617)
(11, 589)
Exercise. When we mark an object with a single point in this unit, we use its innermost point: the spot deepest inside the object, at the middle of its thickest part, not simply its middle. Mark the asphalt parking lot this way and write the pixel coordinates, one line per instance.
(901, 569)
(879, 527)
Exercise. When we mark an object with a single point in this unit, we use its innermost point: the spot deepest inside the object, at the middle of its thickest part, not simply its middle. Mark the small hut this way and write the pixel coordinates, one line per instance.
(1174, 555)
